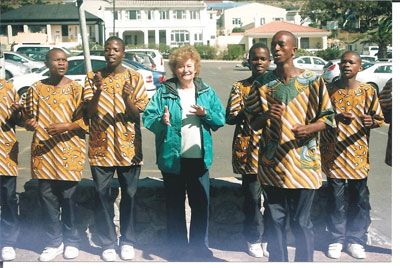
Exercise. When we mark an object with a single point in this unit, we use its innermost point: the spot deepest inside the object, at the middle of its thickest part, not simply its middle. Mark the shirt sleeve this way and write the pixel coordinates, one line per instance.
(30, 106)
(235, 105)
(374, 108)
(326, 112)
(77, 117)
(139, 96)
(89, 87)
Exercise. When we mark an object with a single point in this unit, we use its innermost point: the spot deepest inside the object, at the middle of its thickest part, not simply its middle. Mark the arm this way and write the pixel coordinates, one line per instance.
(235, 107)
(303, 131)
(135, 96)
(131, 111)
(30, 108)
(372, 118)
(214, 115)
(94, 87)
(153, 114)
(276, 111)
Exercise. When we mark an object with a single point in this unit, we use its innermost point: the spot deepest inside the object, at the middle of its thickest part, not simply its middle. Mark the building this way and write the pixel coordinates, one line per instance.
(173, 23)
(52, 24)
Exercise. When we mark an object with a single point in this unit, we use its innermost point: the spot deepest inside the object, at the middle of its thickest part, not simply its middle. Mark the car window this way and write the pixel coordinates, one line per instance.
(366, 65)
(318, 61)
(304, 61)
(75, 67)
(384, 69)
(12, 57)
(98, 64)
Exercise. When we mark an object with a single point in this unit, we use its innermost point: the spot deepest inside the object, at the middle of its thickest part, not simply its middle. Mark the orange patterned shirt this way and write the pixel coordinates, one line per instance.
(345, 149)
(8, 141)
(62, 156)
(114, 140)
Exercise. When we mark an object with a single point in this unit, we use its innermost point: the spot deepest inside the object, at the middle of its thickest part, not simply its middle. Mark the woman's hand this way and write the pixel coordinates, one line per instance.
(166, 116)
(198, 110)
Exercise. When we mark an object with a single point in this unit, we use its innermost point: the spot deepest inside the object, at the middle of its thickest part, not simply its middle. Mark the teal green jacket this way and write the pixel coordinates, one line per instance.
(168, 138)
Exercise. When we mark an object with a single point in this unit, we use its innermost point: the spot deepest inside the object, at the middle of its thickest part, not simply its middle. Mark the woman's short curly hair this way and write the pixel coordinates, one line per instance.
(181, 55)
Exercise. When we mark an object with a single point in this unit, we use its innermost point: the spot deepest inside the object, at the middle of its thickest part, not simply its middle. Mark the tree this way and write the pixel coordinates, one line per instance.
(380, 34)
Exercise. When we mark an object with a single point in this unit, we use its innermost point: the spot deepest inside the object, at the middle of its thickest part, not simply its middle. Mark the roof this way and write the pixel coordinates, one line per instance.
(225, 5)
(275, 26)
(158, 4)
(45, 14)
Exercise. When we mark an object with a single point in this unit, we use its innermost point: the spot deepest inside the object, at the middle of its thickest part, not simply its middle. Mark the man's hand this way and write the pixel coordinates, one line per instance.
(166, 116)
(31, 124)
(198, 110)
(57, 128)
(127, 90)
(276, 110)
(345, 118)
(367, 120)
(98, 81)
(15, 107)
(301, 131)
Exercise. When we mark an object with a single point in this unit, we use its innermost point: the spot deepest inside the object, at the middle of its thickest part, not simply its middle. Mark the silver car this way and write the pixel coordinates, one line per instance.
(14, 69)
(31, 63)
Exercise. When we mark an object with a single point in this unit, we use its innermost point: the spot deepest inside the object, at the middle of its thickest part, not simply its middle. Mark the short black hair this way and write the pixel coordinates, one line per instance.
(116, 38)
(355, 53)
(292, 36)
(259, 45)
(51, 50)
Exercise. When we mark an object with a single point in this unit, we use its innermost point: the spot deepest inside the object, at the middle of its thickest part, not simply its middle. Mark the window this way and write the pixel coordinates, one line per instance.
(149, 15)
(384, 69)
(211, 16)
(180, 37)
(318, 61)
(13, 57)
(304, 61)
(194, 15)
(179, 14)
(278, 19)
(164, 15)
(116, 15)
(305, 42)
(262, 21)
(134, 14)
(198, 37)
(237, 21)
(37, 28)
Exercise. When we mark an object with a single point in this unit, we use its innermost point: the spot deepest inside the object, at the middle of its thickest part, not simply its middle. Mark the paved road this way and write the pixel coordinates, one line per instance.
(221, 75)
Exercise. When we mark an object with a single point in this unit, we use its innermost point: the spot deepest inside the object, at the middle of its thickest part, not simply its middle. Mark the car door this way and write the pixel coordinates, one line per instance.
(304, 63)
(77, 69)
(381, 75)
(318, 64)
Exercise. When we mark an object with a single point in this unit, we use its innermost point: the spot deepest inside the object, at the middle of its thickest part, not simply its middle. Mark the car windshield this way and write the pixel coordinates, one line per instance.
(41, 69)
(366, 65)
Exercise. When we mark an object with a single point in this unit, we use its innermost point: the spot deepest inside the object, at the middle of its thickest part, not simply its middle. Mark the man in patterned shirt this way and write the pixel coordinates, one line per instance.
(58, 153)
(345, 157)
(115, 96)
(245, 151)
(290, 105)
(9, 116)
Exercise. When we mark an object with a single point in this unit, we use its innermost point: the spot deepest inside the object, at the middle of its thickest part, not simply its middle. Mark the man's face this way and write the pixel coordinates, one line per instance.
(113, 53)
(283, 48)
(259, 61)
(349, 65)
(57, 63)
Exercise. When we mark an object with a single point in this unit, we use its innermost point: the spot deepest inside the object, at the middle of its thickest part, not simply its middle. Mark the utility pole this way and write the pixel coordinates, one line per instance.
(85, 42)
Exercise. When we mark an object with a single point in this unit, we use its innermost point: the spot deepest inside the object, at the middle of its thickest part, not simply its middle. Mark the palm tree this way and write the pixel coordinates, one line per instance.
(381, 34)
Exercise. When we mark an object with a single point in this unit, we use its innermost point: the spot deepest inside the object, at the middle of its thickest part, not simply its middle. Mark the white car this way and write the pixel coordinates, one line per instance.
(14, 69)
(77, 71)
(310, 63)
(32, 49)
(154, 54)
(32, 64)
(377, 75)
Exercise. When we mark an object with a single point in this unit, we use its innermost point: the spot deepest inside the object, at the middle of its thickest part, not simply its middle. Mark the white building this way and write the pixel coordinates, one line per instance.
(173, 23)
(251, 16)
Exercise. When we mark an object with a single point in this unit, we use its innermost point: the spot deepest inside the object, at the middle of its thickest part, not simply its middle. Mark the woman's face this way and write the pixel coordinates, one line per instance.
(186, 71)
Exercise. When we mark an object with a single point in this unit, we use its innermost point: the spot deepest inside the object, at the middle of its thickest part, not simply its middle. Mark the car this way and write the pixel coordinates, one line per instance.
(377, 75)
(33, 49)
(31, 63)
(76, 71)
(14, 69)
(158, 77)
(331, 71)
(369, 58)
(310, 63)
(154, 54)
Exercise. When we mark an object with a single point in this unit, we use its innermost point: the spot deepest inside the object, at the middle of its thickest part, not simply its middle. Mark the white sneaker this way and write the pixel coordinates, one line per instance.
(255, 250)
(127, 252)
(335, 250)
(264, 249)
(71, 252)
(8, 254)
(109, 255)
(356, 250)
(49, 253)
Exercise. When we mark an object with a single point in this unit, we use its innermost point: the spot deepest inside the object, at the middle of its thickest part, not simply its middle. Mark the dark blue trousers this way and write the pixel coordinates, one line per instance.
(9, 211)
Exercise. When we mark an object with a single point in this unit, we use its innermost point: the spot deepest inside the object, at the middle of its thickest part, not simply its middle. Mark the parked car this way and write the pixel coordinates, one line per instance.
(369, 58)
(158, 77)
(154, 54)
(31, 63)
(310, 63)
(331, 71)
(14, 69)
(377, 75)
(76, 71)
(33, 49)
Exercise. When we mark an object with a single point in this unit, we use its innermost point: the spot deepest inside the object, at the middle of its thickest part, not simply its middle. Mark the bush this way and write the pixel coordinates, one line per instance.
(206, 52)
(234, 52)
(329, 54)
(238, 30)
(303, 52)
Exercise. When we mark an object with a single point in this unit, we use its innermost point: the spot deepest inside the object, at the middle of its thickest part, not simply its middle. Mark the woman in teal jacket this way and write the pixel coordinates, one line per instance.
(182, 114)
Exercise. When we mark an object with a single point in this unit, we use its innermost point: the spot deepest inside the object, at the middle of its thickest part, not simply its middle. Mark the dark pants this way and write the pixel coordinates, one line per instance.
(54, 195)
(350, 226)
(9, 211)
(253, 227)
(193, 179)
(295, 204)
(128, 177)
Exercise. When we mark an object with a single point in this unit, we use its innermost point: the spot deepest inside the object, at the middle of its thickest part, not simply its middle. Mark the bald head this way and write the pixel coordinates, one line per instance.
(351, 53)
(290, 36)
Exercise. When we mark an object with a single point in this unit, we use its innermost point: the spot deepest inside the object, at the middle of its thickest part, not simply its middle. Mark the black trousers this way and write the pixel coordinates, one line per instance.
(193, 179)
(348, 225)
(9, 211)
(294, 204)
(128, 177)
(54, 195)
(253, 227)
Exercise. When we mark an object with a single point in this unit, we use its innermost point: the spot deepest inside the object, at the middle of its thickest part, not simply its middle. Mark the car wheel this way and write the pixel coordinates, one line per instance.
(8, 75)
